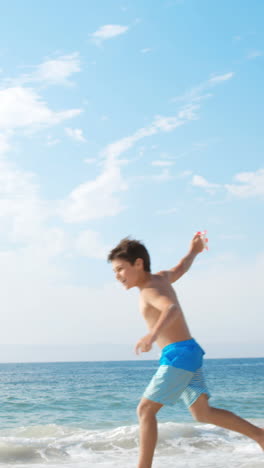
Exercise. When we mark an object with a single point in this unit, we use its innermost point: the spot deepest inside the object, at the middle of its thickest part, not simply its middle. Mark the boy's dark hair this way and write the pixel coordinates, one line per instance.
(129, 250)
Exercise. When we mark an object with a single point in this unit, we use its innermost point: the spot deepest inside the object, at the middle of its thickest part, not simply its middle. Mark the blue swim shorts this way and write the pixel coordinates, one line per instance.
(179, 375)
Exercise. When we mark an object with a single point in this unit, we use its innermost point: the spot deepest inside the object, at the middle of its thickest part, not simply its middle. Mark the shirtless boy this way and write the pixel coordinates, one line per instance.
(180, 372)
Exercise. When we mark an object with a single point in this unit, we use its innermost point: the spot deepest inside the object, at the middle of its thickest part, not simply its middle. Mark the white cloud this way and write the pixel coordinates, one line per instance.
(52, 141)
(79, 208)
(253, 54)
(199, 93)
(250, 184)
(15, 183)
(199, 181)
(146, 50)
(166, 124)
(37, 297)
(162, 163)
(95, 199)
(23, 108)
(52, 71)
(36, 290)
(220, 78)
(162, 176)
(24, 215)
(4, 143)
(160, 124)
(75, 134)
(187, 113)
(167, 211)
(90, 244)
(90, 160)
(184, 174)
(108, 31)
(112, 151)
(99, 198)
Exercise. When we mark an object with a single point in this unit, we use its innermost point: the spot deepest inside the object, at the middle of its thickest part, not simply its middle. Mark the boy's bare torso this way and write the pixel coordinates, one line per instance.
(178, 330)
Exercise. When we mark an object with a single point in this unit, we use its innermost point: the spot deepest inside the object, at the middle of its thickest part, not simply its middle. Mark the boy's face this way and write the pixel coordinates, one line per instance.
(126, 273)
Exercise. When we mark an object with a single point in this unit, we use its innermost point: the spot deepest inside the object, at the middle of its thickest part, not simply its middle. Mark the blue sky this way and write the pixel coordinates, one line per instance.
(130, 118)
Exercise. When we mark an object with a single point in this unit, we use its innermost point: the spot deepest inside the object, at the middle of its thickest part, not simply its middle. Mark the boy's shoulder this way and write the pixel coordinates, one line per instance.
(156, 282)
(163, 274)
(163, 277)
(157, 286)
(159, 277)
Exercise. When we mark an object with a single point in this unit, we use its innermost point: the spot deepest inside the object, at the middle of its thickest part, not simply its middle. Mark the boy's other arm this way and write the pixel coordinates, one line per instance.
(185, 263)
(169, 311)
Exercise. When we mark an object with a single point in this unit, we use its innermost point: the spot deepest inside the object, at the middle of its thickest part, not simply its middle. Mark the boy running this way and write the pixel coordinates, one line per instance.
(180, 372)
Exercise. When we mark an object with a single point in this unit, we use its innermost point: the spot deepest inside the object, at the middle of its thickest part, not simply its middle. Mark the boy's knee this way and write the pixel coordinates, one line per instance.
(144, 409)
(202, 415)
(201, 410)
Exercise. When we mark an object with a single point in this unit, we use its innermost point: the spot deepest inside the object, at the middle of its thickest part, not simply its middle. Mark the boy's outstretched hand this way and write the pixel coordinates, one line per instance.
(197, 243)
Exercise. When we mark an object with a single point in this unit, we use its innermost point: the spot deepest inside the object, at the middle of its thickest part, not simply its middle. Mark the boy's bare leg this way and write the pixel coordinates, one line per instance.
(223, 418)
(148, 432)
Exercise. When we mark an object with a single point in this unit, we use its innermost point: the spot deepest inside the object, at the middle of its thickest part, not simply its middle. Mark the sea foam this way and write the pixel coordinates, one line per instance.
(189, 445)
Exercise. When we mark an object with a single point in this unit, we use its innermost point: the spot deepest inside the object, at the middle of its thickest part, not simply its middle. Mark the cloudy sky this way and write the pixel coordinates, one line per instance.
(129, 118)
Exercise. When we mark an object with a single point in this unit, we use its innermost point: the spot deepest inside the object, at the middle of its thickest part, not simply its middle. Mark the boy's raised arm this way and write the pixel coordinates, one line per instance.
(197, 246)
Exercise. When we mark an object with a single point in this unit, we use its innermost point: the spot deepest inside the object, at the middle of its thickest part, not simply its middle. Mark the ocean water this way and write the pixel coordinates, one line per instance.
(82, 415)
